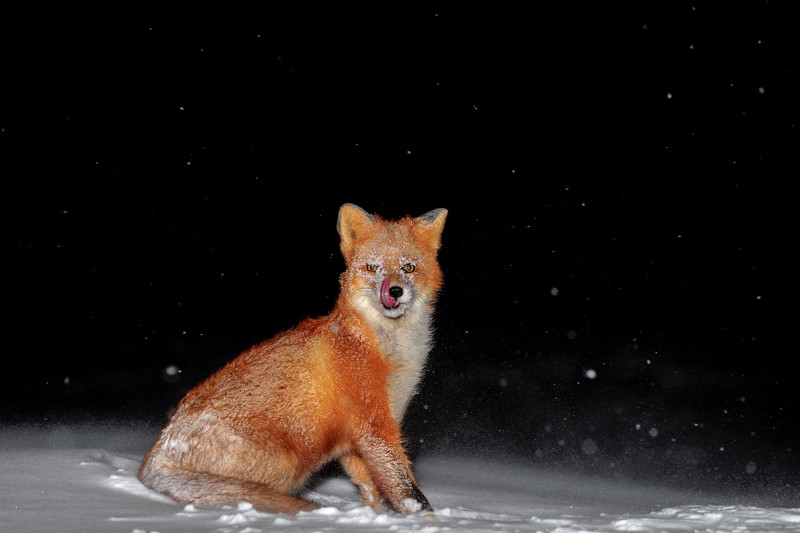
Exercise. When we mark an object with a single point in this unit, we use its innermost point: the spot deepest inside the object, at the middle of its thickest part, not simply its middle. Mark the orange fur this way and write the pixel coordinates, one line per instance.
(332, 388)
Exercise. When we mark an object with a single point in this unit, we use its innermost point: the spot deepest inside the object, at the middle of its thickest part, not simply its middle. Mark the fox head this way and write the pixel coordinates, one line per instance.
(391, 265)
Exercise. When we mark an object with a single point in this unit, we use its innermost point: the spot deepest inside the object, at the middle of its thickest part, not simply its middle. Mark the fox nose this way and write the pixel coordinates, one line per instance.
(396, 292)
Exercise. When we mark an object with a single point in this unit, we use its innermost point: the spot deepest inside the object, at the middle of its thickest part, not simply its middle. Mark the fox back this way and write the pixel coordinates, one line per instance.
(332, 388)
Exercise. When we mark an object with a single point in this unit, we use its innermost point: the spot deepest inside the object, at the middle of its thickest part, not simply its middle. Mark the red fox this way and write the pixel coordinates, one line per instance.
(332, 388)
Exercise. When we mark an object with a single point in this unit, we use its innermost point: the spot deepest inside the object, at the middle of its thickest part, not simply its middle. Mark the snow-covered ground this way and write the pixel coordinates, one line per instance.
(52, 480)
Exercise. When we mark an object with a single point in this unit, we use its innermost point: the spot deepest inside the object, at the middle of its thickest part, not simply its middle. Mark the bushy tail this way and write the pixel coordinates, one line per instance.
(209, 490)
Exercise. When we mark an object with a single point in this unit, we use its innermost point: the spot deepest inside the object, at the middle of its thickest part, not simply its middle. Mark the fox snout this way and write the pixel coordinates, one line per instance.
(390, 294)
(395, 297)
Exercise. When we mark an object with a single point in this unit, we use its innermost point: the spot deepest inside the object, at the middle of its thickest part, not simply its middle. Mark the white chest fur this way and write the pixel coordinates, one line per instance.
(406, 340)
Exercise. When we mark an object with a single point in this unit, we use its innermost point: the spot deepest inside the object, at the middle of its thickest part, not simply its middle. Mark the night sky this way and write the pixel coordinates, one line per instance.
(621, 187)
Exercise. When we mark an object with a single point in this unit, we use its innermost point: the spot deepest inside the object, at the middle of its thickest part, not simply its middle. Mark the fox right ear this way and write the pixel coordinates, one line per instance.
(353, 224)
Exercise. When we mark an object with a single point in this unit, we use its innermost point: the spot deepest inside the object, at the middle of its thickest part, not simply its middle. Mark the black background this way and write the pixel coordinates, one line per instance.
(171, 180)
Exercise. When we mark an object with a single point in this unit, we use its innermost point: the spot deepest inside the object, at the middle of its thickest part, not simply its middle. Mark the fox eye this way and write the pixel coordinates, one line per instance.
(372, 268)
(408, 268)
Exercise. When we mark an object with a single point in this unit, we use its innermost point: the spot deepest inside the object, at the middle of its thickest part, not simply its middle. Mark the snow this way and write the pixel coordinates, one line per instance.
(51, 480)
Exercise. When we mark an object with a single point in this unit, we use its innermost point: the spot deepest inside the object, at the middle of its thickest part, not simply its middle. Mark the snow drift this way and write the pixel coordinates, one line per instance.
(51, 481)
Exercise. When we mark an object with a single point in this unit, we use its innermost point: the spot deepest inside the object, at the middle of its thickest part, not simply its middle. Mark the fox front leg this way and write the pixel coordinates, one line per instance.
(387, 466)
(359, 475)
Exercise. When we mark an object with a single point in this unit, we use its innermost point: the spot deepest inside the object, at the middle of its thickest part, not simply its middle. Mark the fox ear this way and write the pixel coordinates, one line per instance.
(430, 226)
(353, 224)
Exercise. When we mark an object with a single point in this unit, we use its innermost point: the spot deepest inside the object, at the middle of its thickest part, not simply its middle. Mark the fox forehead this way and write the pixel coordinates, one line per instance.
(389, 244)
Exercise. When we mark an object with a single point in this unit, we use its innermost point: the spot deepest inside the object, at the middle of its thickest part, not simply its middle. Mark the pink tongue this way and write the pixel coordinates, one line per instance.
(386, 298)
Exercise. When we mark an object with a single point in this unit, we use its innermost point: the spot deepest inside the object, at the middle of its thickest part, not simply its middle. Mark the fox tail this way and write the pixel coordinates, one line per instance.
(209, 490)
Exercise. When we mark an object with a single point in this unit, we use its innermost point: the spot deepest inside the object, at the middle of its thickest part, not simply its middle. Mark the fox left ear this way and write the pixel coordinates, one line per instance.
(430, 227)
(353, 224)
